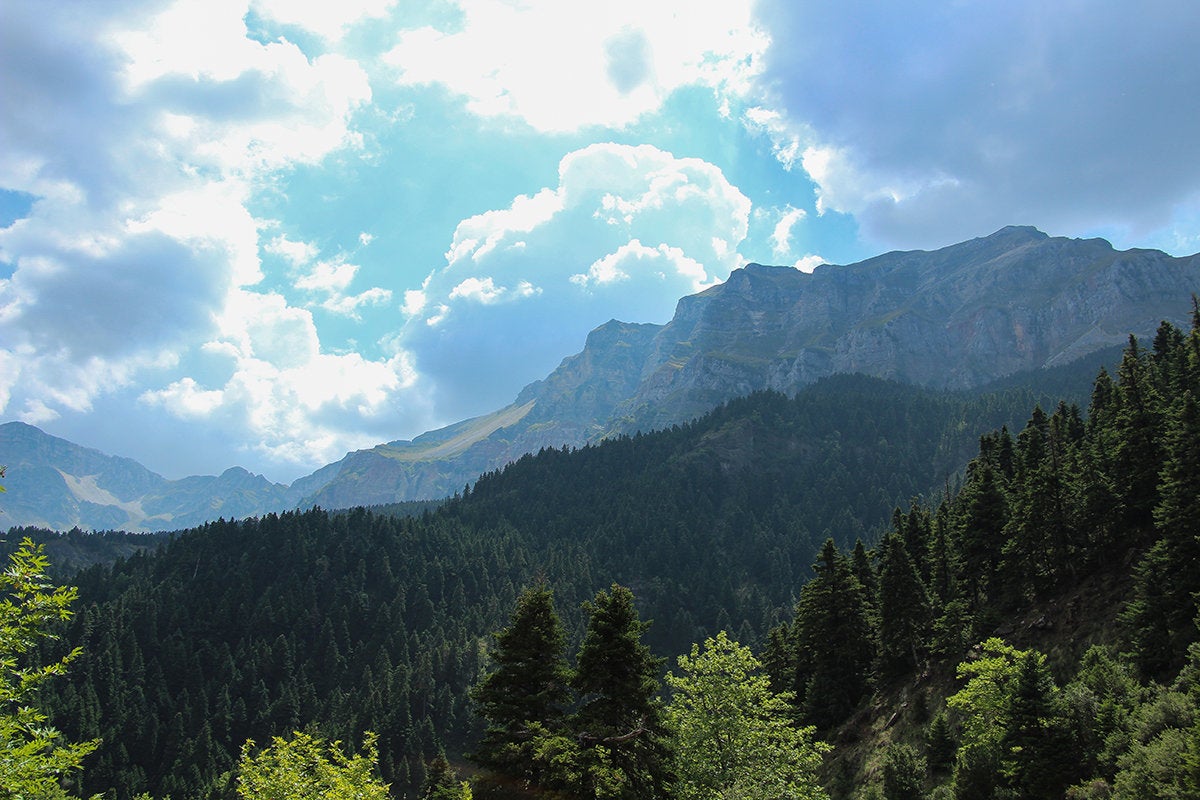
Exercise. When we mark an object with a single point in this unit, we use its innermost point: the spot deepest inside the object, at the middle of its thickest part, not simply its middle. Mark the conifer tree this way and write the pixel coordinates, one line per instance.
(1168, 577)
(1036, 529)
(529, 685)
(834, 641)
(1034, 757)
(620, 716)
(981, 529)
(864, 571)
(904, 610)
(1135, 441)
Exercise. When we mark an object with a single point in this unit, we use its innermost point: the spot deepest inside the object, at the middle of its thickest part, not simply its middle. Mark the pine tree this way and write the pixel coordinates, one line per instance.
(1036, 530)
(528, 686)
(984, 513)
(620, 717)
(1033, 749)
(834, 641)
(1168, 576)
(904, 610)
(1135, 439)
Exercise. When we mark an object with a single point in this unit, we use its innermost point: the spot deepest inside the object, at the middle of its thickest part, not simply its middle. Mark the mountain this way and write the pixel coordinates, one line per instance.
(959, 317)
(53, 483)
(1053, 594)
(1015, 302)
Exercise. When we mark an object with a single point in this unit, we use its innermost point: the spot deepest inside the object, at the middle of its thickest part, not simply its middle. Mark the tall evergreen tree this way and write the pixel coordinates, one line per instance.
(1135, 441)
(1034, 757)
(983, 515)
(904, 610)
(620, 716)
(1036, 529)
(529, 685)
(834, 641)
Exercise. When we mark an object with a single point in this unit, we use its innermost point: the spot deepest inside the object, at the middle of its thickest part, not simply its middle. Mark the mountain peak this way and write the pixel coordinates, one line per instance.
(1018, 231)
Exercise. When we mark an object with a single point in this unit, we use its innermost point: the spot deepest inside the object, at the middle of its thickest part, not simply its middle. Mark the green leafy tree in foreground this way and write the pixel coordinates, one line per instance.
(306, 767)
(903, 773)
(734, 737)
(34, 762)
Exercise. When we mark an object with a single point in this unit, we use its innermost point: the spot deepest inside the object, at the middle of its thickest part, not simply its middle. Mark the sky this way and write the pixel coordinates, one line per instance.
(268, 232)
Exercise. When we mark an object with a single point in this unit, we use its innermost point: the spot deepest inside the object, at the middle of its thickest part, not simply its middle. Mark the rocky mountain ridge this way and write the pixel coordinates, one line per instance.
(956, 318)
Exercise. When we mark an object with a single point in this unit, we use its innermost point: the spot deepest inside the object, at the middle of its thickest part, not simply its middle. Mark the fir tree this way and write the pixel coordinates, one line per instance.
(528, 685)
(904, 610)
(1136, 449)
(1034, 756)
(620, 716)
(834, 641)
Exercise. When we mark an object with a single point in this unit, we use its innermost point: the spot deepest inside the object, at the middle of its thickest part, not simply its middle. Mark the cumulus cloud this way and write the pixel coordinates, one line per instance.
(625, 233)
(142, 130)
(809, 263)
(561, 66)
(781, 236)
(328, 20)
(932, 122)
(302, 405)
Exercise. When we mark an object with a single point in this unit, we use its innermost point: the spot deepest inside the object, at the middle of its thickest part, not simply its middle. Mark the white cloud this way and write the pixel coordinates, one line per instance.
(809, 263)
(478, 290)
(298, 254)
(625, 233)
(562, 66)
(658, 264)
(932, 122)
(301, 405)
(330, 20)
(143, 131)
(781, 236)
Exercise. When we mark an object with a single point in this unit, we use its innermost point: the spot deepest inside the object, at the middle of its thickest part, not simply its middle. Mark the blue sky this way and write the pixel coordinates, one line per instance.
(268, 232)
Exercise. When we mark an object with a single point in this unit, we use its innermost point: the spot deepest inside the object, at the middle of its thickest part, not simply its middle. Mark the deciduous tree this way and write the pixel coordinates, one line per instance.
(734, 737)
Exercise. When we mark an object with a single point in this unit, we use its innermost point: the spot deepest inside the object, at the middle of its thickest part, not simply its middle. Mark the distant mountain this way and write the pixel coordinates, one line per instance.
(55, 484)
(959, 317)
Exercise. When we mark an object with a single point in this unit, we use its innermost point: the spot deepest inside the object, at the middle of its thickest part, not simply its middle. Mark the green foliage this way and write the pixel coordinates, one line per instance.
(1034, 760)
(734, 737)
(359, 621)
(982, 708)
(305, 767)
(620, 715)
(833, 640)
(34, 759)
(903, 773)
(528, 685)
(905, 611)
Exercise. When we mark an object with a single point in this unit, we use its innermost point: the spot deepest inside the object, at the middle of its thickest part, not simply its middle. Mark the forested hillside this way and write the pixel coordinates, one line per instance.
(358, 622)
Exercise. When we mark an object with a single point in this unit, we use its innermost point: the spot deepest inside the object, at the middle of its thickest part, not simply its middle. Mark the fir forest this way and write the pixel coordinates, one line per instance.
(848, 593)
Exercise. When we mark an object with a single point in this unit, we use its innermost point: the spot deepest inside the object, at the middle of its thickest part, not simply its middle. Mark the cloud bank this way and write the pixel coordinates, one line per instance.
(932, 122)
(625, 233)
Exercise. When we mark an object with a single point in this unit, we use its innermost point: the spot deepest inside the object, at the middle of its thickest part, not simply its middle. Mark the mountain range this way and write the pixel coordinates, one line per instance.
(959, 317)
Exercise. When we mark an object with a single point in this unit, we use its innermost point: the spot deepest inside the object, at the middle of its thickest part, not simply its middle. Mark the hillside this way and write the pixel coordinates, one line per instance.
(963, 316)
(1015, 303)
(358, 622)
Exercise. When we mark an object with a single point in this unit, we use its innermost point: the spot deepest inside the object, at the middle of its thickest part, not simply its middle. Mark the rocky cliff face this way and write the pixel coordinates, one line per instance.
(957, 317)
(954, 318)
